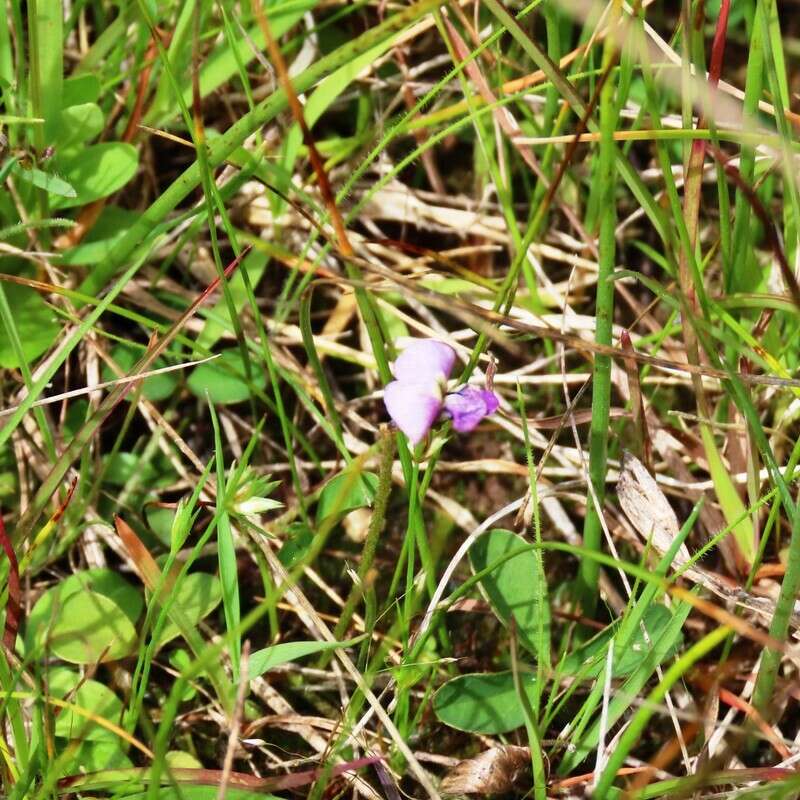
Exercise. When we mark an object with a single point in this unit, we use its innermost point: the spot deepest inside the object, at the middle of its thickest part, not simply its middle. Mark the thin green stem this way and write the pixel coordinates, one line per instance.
(604, 317)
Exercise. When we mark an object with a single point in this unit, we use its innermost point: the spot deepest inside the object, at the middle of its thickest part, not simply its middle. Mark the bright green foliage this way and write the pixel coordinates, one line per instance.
(90, 696)
(35, 323)
(263, 661)
(120, 599)
(346, 492)
(89, 627)
(196, 596)
(224, 379)
(513, 588)
(485, 703)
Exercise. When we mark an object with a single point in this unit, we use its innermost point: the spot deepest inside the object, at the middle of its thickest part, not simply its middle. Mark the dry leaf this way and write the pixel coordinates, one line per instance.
(651, 514)
(493, 772)
(647, 508)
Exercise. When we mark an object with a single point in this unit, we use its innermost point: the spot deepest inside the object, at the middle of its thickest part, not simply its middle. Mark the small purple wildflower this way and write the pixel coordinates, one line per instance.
(413, 407)
(469, 406)
(416, 398)
(423, 361)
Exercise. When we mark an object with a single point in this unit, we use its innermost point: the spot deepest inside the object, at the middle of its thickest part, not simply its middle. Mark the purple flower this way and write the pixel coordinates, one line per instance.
(424, 361)
(413, 407)
(469, 406)
(416, 398)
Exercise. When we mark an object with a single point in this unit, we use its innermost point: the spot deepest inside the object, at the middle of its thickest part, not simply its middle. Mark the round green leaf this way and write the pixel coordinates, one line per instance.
(177, 759)
(123, 467)
(92, 756)
(297, 543)
(483, 703)
(90, 696)
(129, 600)
(35, 323)
(160, 521)
(158, 387)
(89, 627)
(96, 171)
(346, 492)
(111, 226)
(78, 124)
(197, 595)
(83, 88)
(224, 379)
(515, 589)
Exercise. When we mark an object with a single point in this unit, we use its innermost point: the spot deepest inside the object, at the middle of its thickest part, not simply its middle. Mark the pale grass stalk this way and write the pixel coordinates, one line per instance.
(600, 762)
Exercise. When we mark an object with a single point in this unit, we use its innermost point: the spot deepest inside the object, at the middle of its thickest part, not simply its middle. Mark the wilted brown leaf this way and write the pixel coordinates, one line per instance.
(647, 508)
(493, 772)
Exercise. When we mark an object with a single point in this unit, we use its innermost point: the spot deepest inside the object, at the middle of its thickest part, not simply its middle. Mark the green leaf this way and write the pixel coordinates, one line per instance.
(84, 88)
(90, 628)
(156, 388)
(93, 697)
(483, 703)
(344, 493)
(264, 660)
(197, 595)
(515, 587)
(92, 756)
(160, 521)
(96, 171)
(224, 379)
(35, 324)
(101, 581)
(123, 467)
(180, 660)
(298, 541)
(731, 504)
(111, 226)
(409, 675)
(45, 180)
(78, 124)
(218, 320)
(177, 759)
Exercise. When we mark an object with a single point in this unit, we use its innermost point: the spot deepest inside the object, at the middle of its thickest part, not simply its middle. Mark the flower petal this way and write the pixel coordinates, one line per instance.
(425, 361)
(469, 406)
(413, 407)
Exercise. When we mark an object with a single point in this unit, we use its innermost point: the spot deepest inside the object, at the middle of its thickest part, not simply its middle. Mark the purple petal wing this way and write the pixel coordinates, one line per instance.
(425, 361)
(492, 401)
(469, 406)
(413, 407)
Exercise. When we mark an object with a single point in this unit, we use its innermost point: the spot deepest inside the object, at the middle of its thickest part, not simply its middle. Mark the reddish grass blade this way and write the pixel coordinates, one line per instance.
(297, 112)
(14, 604)
(752, 713)
(718, 45)
(148, 569)
(213, 777)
